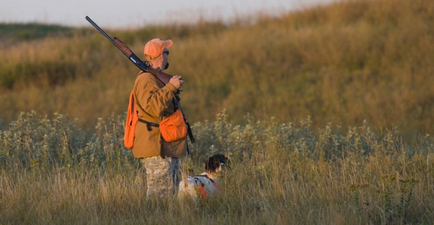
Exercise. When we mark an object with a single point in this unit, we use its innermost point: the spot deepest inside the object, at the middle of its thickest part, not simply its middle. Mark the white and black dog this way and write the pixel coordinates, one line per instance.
(206, 183)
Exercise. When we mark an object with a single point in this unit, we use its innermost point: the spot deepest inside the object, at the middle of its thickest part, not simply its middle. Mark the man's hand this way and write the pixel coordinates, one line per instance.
(176, 81)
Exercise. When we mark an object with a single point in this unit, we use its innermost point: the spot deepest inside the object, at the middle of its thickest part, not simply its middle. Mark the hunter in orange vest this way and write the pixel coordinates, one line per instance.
(154, 102)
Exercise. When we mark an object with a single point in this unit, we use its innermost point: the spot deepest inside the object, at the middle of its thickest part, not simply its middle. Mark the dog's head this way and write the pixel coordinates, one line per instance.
(216, 163)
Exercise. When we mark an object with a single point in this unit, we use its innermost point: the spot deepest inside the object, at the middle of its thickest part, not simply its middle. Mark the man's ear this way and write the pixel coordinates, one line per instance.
(155, 62)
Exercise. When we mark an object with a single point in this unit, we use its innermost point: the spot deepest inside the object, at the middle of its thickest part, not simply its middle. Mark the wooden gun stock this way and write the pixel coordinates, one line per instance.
(123, 47)
(163, 77)
(143, 65)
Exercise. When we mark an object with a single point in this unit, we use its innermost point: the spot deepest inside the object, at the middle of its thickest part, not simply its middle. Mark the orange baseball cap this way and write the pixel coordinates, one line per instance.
(154, 48)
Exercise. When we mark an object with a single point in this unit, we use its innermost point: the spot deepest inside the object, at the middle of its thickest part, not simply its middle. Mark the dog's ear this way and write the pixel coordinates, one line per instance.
(209, 166)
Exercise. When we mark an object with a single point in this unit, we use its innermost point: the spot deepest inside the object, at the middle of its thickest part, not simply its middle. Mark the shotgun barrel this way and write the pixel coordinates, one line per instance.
(121, 46)
(143, 65)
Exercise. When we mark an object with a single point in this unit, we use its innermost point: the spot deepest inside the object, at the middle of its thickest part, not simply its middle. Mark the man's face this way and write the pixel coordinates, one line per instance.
(165, 63)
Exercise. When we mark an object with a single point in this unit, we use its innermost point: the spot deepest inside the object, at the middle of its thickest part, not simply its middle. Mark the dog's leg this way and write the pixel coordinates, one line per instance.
(183, 175)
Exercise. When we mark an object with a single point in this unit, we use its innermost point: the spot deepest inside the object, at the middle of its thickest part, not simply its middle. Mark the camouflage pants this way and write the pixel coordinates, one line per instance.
(162, 177)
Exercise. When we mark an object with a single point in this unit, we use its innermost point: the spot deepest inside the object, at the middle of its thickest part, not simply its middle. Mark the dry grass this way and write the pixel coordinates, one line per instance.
(51, 171)
(341, 63)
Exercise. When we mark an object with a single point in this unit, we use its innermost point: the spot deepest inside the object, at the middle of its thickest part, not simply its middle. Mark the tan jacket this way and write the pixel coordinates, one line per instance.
(154, 102)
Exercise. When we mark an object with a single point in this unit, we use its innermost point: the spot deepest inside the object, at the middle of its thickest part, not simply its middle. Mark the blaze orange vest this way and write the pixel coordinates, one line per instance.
(132, 119)
(172, 128)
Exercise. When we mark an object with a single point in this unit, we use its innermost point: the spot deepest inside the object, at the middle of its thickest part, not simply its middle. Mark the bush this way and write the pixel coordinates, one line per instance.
(279, 173)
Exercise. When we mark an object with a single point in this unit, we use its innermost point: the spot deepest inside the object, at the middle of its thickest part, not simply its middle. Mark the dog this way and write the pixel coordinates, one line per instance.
(206, 183)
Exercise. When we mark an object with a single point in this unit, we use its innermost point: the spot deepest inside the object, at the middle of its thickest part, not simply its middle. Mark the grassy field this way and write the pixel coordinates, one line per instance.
(326, 115)
(52, 172)
(342, 63)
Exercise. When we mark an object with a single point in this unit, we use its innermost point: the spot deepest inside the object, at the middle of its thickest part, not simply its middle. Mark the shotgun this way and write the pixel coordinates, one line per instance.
(143, 65)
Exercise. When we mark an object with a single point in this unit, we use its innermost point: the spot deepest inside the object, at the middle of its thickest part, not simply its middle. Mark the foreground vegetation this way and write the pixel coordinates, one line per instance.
(341, 63)
(51, 171)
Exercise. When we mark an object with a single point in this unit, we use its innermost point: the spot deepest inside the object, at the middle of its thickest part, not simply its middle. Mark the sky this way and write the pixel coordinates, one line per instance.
(137, 13)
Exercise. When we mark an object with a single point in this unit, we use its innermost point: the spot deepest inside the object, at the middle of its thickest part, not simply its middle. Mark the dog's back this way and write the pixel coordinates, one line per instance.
(198, 186)
(204, 184)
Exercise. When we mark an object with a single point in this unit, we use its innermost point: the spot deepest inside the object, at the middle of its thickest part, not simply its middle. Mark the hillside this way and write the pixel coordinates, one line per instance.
(342, 63)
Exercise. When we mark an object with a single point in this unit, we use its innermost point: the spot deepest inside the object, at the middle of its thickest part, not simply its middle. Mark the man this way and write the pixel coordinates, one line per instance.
(154, 102)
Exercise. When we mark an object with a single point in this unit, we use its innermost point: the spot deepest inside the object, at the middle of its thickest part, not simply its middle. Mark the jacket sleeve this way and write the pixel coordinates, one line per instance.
(152, 99)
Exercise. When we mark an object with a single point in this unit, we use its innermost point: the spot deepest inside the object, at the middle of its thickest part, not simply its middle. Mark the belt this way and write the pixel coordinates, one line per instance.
(149, 125)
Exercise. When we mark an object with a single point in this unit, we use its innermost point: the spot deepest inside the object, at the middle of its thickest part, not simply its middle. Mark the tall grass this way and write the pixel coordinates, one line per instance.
(343, 63)
(52, 171)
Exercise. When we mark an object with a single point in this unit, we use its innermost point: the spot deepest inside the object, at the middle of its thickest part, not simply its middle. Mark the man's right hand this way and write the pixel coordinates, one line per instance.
(176, 81)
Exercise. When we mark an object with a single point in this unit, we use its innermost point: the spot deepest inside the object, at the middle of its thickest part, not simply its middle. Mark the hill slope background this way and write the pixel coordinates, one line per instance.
(343, 63)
